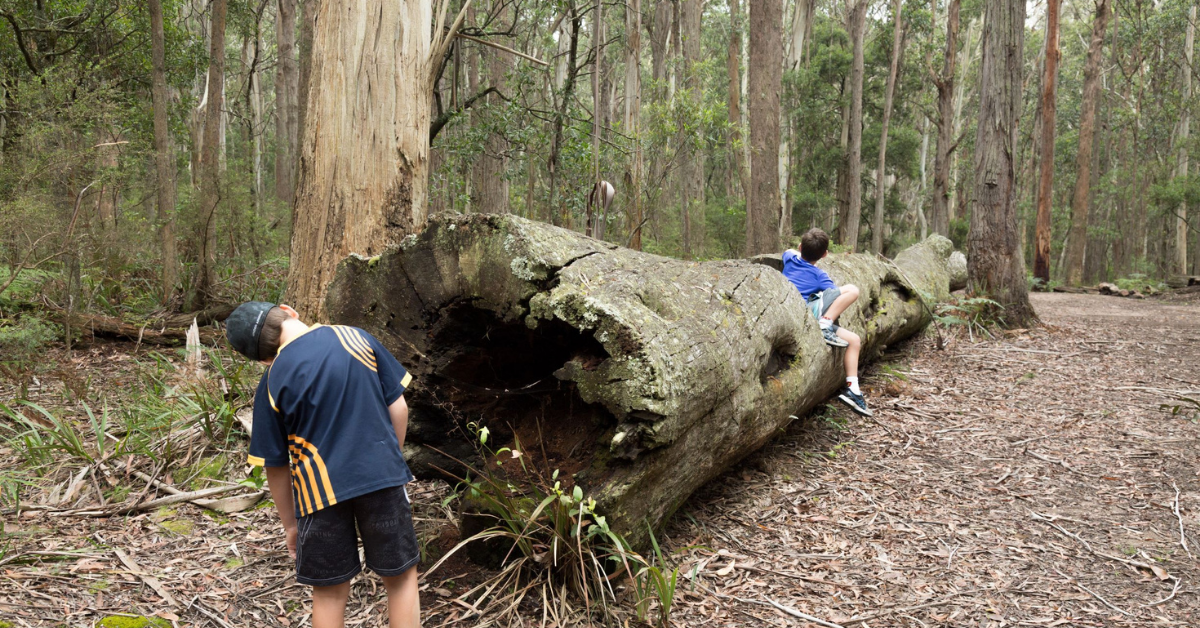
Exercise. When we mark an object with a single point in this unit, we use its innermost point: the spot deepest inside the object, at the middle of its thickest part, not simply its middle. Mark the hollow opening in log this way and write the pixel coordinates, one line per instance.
(501, 374)
(779, 360)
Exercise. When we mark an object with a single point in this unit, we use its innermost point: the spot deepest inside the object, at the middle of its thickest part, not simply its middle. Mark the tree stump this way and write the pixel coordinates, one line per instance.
(639, 377)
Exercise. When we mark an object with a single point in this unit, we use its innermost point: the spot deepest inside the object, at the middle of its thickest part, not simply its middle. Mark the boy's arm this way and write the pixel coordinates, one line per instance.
(279, 479)
(399, 413)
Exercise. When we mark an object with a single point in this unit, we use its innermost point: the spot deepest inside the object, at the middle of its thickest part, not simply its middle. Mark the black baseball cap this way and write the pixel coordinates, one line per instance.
(244, 326)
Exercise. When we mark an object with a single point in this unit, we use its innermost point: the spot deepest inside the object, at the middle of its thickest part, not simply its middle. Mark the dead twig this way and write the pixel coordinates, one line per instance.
(1178, 583)
(769, 602)
(1179, 517)
(907, 609)
(151, 581)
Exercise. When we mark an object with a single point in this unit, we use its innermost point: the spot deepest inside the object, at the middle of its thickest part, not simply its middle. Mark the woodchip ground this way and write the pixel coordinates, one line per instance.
(1045, 478)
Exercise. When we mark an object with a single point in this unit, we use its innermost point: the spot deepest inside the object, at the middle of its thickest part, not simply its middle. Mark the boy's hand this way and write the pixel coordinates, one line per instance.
(291, 540)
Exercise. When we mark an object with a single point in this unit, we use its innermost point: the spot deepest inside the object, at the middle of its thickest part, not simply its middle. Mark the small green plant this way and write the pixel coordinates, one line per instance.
(1140, 282)
(40, 439)
(974, 313)
(544, 530)
(654, 581)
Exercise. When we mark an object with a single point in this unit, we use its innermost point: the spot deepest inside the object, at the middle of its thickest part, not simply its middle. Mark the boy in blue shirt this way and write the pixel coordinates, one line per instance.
(827, 302)
(329, 424)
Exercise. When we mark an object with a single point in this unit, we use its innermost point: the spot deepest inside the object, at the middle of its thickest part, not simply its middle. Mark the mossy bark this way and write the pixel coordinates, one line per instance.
(640, 377)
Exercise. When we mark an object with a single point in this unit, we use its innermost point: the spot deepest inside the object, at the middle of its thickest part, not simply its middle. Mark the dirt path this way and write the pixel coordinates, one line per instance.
(1025, 481)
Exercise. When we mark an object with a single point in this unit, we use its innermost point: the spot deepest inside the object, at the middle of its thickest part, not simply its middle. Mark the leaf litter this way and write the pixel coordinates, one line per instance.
(1036, 479)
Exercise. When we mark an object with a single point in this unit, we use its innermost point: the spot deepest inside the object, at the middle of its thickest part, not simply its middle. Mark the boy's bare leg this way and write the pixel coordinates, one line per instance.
(848, 297)
(329, 606)
(404, 605)
(853, 348)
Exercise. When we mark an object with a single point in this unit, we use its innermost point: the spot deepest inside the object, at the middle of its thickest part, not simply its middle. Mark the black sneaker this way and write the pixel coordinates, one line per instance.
(832, 339)
(857, 403)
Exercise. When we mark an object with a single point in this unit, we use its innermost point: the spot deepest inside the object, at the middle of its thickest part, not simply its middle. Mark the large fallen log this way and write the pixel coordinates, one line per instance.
(642, 377)
(162, 330)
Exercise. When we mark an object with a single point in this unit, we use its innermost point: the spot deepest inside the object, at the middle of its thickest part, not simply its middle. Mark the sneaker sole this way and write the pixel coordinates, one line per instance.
(855, 407)
(840, 343)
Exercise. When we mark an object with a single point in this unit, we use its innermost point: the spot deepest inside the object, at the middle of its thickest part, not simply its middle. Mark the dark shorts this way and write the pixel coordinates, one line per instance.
(327, 544)
(819, 302)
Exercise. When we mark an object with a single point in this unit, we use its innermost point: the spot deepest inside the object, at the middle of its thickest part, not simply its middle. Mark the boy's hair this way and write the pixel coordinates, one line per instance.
(268, 339)
(813, 245)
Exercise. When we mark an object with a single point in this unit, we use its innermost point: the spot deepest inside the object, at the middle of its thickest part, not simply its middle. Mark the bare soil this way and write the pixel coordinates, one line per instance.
(1043, 478)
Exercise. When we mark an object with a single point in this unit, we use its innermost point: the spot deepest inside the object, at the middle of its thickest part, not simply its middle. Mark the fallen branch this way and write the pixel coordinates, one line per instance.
(1133, 563)
(154, 503)
(167, 331)
(227, 505)
(1178, 583)
(1094, 594)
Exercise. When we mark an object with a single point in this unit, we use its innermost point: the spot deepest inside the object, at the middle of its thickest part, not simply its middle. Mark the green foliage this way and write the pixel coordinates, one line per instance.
(973, 313)
(22, 343)
(553, 531)
(1140, 282)
(655, 581)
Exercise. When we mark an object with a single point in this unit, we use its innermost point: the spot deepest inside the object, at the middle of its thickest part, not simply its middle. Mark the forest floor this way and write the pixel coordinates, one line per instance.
(1038, 479)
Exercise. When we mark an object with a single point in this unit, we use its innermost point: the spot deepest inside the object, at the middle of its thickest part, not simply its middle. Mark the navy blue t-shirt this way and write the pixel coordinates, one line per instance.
(322, 410)
(807, 278)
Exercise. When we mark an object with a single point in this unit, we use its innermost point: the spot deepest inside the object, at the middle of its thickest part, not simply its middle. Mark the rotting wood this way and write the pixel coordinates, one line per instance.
(624, 368)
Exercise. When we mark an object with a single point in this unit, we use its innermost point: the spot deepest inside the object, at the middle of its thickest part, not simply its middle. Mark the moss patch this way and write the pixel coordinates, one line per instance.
(205, 469)
(120, 621)
(179, 527)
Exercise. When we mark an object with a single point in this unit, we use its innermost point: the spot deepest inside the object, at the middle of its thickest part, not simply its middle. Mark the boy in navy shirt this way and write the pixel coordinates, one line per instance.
(827, 302)
(329, 424)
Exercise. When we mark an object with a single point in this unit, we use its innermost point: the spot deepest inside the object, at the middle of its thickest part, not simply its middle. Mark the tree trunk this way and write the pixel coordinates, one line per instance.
(802, 16)
(939, 215)
(1181, 222)
(659, 36)
(559, 211)
(693, 150)
(632, 123)
(4, 117)
(287, 102)
(363, 169)
(740, 172)
(489, 186)
(252, 58)
(766, 78)
(996, 265)
(308, 17)
(210, 158)
(1081, 201)
(593, 227)
(858, 18)
(1041, 245)
(889, 92)
(603, 361)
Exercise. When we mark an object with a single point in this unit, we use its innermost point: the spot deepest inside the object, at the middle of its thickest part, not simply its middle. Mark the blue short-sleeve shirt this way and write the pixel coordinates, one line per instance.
(807, 278)
(322, 410)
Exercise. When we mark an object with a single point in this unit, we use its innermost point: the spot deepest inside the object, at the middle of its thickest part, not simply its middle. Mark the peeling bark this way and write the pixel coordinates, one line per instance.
(639, 377)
